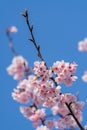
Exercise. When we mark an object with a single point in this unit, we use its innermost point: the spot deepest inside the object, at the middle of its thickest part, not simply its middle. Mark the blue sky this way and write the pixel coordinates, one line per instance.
(58, 26)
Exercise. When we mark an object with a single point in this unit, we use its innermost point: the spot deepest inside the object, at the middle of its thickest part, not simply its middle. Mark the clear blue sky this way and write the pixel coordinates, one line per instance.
(58, 26)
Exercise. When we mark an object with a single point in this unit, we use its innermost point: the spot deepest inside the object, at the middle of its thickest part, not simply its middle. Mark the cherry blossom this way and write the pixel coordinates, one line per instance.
(42, 128)
(77, 110)
(63, 123)
(82, 45)
(21, 96)
(84, 77)
(27, 111)
(12, 29)
(39, 114)
(18, 67)
(25, 90)
(33, 114)
(64, 72)
(49, 124)
(68, 97)
(41, 70)
(61, 108)
(40, 89)
(48, 95)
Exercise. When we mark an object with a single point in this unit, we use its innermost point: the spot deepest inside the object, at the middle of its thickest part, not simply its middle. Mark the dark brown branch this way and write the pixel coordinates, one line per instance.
(32, 39)
(78, 123)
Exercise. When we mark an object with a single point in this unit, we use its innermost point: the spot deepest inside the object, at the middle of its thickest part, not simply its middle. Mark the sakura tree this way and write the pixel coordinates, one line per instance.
(39, 88)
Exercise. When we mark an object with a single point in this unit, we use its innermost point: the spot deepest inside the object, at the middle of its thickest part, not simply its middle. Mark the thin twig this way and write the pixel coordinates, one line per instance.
(11, 44)
(32, 39)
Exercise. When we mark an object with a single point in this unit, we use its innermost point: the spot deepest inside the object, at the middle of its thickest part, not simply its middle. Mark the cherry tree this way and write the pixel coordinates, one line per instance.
(39, 88)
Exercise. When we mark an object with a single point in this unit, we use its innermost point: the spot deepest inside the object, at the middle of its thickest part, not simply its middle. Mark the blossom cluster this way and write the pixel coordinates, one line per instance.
(64, 72)
(18, 67)
(41, 90)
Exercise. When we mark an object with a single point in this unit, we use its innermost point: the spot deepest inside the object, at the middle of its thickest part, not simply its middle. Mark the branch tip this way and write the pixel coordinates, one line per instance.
(31, 40)
(26, 13)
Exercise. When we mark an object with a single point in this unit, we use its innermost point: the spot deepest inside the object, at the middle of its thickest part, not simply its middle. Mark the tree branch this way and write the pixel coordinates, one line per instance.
(11, 44)
(32, 39)
(78, 123)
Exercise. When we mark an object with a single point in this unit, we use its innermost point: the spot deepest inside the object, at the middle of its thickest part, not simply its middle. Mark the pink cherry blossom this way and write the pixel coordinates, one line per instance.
(84, 77)
(12, 29)
(42, 128)
(82, 45)
(63, 123)
(49, 94)
(32, 114)
(60, 124)
(68, 97)
(25, 90)
(41, 70)
(64, 72)
(46, 94)
(49, 124)
(21, 96)
(38, 88)
(61, 108)
(17, 68)
(39, 114)
(27, 111)
(55, 110)
(77, 110)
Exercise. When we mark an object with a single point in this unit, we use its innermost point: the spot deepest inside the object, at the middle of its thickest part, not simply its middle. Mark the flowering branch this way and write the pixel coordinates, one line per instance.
(32, 39)
(39, 85)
